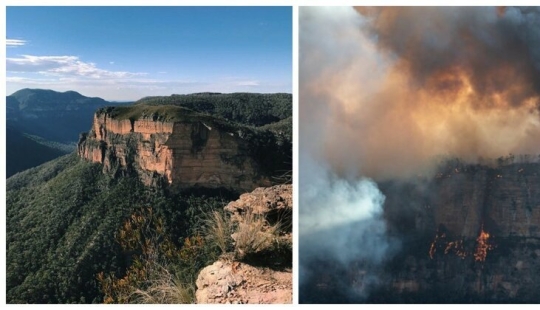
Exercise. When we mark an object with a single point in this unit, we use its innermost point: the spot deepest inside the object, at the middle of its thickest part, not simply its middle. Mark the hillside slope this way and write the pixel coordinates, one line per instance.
(62, 222)
(23, 153)
(44, 124)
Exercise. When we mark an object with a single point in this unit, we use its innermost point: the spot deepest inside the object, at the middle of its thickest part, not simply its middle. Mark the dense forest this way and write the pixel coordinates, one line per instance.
(63, 218)
(245, 108)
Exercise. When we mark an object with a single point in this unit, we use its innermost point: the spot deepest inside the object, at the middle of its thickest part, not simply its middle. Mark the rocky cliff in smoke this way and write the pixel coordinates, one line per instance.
(469, 234)
(472, 235)
(387, 92)
(175, 145)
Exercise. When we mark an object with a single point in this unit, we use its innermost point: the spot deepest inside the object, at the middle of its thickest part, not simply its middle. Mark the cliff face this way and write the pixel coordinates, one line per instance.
(471, 234)
(186, 153)
(462, 200)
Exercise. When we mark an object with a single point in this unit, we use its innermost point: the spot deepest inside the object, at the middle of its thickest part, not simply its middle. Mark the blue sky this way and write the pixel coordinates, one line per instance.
(125, 53)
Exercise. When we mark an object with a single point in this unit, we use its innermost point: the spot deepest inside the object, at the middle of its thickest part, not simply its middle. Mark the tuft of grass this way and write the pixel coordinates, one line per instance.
(253, 234)
(218, 231)
(164, 288)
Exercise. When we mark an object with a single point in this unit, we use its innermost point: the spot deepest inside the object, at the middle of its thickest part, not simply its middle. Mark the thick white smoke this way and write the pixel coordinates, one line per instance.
(344, 215)
(340, 219)
(340, 211)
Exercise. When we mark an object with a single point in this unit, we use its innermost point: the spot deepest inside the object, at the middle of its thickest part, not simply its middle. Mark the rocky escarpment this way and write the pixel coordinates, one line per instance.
(260, 271)
(184, 150)
(469, 234)
(461, 199)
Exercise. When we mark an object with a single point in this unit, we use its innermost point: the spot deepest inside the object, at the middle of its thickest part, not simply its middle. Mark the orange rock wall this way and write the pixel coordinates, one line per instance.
(186, 154)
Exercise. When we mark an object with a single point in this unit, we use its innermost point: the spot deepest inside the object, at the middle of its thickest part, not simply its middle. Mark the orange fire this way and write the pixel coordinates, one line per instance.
(457, 247)
(483, 246)
(432, 248)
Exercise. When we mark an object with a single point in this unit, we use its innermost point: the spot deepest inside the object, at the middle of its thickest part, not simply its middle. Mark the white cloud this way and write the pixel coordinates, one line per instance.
(64, 73)
(15, 42)
(248, 83)
(62, 66)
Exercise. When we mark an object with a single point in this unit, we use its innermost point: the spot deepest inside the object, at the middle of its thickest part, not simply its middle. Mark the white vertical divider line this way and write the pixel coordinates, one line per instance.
(296, 200)
(3, 129)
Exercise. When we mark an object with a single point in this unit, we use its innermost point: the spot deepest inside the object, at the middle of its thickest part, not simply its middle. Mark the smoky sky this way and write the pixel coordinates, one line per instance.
(498, 51)
(388, 92)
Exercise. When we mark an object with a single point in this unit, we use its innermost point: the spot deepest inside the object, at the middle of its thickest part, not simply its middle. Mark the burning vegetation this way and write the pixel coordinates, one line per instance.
(483, 246)
(457, 247)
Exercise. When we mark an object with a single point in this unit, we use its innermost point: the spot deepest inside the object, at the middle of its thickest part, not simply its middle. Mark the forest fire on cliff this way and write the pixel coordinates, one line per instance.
(440, 242)
(483, 246)
(394, 104)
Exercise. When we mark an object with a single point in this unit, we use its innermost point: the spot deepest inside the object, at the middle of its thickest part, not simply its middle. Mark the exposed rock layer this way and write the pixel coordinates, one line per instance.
(187, 153)
(505, 201)
(239, 283)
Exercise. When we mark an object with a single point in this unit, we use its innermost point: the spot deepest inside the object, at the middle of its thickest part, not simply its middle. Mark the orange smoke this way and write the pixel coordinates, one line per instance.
(424, 83)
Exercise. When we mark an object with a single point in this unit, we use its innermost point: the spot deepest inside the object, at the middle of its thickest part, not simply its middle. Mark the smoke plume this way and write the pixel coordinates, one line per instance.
(341, 225)
(389, 90)
(386, 93)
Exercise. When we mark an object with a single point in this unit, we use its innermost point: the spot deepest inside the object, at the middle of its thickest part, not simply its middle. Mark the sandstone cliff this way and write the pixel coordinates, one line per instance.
(171, 144)
(461, 199)
(471, 234)
(263, 276)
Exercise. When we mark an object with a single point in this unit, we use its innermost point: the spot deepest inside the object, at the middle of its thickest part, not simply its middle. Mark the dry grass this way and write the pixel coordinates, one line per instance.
(218, 231)
(164, 288)
(240, 237)
(253, 234)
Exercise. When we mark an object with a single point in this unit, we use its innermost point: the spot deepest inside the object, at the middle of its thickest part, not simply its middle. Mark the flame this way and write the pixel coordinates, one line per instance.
(432, 248)
(483, 246)
(457, 247)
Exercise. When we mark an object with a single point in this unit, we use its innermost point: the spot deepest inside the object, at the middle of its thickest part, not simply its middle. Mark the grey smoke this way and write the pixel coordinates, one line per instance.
(340, 221)
(496, 48)
(389, 92)
(340, 211)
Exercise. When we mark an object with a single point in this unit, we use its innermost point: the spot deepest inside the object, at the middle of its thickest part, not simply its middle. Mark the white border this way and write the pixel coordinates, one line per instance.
(295, 4)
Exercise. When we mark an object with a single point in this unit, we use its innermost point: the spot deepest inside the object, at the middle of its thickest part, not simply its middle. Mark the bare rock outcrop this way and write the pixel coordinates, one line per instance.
(263, 220)
(187, 152)
(229, 282)
(274, 204)
(263, 200)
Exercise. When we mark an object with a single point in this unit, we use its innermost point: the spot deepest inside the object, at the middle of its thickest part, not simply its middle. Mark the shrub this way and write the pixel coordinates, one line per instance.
(253, 234)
